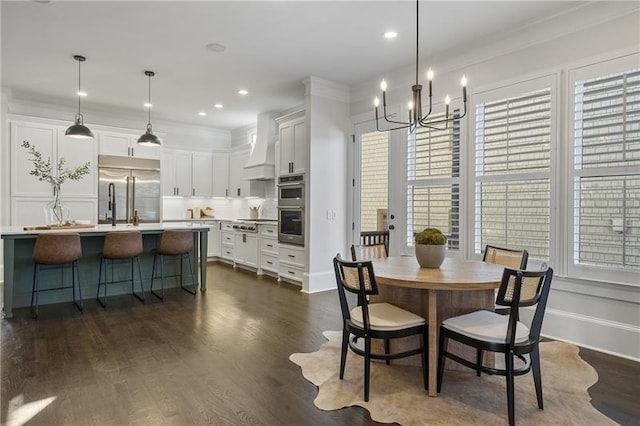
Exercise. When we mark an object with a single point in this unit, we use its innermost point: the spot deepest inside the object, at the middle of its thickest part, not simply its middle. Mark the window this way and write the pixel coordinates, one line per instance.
(513, 170)
(606, 166)
(433, 181)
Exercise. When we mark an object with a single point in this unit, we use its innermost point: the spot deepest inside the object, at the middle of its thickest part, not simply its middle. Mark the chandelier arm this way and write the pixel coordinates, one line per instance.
(402, 123)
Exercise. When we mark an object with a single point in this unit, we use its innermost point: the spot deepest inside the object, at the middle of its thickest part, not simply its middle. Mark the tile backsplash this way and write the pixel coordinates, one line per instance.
(224, 208)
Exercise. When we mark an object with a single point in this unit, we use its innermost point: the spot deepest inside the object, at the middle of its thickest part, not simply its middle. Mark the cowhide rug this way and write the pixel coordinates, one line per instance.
(397, 393)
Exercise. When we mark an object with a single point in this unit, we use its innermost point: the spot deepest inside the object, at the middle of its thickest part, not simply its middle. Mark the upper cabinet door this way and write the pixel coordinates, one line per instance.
(220, 178)
(286, 148)
(125, 145)
(76, 152)
(238, 186)
(114, 144)
(201, 174)
(43, 137)
(300, 147)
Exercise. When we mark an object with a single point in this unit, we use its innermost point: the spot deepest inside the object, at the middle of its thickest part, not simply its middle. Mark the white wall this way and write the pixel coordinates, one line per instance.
(327, 111)
(600, 315)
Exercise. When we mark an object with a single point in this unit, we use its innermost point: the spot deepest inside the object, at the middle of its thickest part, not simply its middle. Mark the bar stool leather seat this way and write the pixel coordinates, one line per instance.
(120, 246)
(56, 250)
(174, 243)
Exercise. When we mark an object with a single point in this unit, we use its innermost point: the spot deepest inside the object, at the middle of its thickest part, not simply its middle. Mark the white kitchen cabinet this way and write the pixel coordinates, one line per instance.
(293, 142)
(291, 262)
(246, 249)
(228, 236)
(27, 211)
(176, 172)
(201, 163)
(214, 248)
(268, 249)
(238, 186)
(186, 173)
(50, 141)
(125, 145)
(220, 175)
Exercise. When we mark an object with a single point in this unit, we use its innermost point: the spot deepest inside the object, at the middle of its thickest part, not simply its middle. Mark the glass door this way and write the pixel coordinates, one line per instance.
(370, 208)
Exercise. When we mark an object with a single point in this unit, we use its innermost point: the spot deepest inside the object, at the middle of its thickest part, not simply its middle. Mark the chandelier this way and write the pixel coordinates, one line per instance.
(416, 119)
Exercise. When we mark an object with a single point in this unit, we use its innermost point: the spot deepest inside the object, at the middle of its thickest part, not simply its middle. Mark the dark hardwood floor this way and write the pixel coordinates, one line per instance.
(217, 358)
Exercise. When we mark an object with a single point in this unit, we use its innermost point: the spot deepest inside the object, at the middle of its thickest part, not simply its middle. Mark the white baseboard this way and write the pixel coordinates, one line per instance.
(622, 340)
(318, 282)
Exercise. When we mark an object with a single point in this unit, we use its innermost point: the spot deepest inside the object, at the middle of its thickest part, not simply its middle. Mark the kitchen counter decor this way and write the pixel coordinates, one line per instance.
(56, 213)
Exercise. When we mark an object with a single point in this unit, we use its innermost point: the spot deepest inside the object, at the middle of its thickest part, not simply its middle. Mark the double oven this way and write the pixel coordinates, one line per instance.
(291, 199)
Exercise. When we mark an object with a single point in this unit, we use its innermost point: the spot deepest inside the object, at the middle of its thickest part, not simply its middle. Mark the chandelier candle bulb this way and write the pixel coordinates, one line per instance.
(376, 102)
(383, 86)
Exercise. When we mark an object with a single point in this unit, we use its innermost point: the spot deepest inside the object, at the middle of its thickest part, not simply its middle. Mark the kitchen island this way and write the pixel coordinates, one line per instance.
(18, 266)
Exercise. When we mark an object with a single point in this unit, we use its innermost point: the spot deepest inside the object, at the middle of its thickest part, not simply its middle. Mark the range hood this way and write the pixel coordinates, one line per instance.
(261, 164)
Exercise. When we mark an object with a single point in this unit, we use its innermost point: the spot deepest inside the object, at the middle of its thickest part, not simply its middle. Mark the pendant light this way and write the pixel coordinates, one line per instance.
(149, 139)
(78, 130)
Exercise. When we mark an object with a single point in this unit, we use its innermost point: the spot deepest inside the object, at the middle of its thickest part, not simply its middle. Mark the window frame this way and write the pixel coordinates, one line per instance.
(587, 72)
(513, 89)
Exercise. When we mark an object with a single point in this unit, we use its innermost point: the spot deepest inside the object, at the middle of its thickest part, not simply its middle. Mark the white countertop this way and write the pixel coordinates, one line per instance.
(104, 228)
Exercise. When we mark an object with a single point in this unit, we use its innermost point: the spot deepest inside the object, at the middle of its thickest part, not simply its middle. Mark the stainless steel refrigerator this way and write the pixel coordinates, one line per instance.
(136, 187)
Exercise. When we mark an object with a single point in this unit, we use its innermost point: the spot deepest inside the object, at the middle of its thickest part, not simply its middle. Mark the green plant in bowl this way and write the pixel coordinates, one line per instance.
(431, 236)
(430, 248)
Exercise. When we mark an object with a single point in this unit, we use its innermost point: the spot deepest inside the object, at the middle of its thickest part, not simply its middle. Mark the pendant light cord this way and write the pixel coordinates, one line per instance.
(149, 123)
(79, 87)
(417, 39)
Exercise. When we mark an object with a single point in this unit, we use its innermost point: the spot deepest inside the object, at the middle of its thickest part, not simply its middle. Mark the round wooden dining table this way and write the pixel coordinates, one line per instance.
(457, 287)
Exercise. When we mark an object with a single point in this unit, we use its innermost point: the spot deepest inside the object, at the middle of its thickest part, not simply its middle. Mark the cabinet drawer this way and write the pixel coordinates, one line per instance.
(291, 255)
(227, 253)
(227, 226)
(269, 230)
(228, 237)
(269, 244)
(290, 272)
(269, 262)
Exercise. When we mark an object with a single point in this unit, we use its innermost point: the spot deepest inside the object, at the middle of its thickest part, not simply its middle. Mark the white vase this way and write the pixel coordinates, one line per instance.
(429, 255)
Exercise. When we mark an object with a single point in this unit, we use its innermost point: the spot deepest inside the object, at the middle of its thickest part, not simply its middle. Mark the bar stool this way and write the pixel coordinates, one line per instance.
(173, 243)
(120, 246)
(56, 251)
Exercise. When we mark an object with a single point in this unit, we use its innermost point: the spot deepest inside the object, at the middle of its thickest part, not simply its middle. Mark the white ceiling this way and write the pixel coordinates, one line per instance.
(271, 47)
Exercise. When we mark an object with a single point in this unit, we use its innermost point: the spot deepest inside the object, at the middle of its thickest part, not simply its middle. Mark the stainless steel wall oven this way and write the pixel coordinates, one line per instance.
(291, 214)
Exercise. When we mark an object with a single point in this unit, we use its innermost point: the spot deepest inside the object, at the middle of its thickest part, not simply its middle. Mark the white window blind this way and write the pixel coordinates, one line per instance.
(606, 213)
(512, 169)
(433, 182)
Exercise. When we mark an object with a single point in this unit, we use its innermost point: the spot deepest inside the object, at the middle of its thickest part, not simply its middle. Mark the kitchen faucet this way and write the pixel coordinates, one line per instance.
(112, 203)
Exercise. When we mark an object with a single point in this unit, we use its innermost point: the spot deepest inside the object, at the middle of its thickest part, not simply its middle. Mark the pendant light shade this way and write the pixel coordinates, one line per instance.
(148, 138)
(78, 130)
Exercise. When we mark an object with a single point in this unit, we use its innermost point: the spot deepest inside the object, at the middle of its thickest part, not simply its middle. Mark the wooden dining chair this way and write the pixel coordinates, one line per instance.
(510, 258)
(373, 320)
(368, 251)
(489, 331)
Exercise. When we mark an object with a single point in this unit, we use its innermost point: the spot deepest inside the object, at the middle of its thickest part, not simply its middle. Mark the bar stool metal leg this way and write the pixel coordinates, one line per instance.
(193, 281)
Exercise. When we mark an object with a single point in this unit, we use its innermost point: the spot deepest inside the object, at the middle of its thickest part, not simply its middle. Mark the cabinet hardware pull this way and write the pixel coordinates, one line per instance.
(226, 192)
(193, 191)
(132, 152)
(269, 245)
(269, 262)
(290, 255)
(291, 272)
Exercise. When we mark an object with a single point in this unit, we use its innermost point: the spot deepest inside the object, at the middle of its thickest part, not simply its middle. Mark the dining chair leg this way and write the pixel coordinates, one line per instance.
(510, 387)
(537, 377)
(367, 366)
(442, 345)
(387, 350)
(343, 353)
(478, 362)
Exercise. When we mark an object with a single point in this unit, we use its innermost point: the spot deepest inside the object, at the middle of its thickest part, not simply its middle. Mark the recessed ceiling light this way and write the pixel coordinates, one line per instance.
(148, 105)
(216, 47)
(82, 94)
(390, 34)
(202, 113)
(243, 92)
(218, 105)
